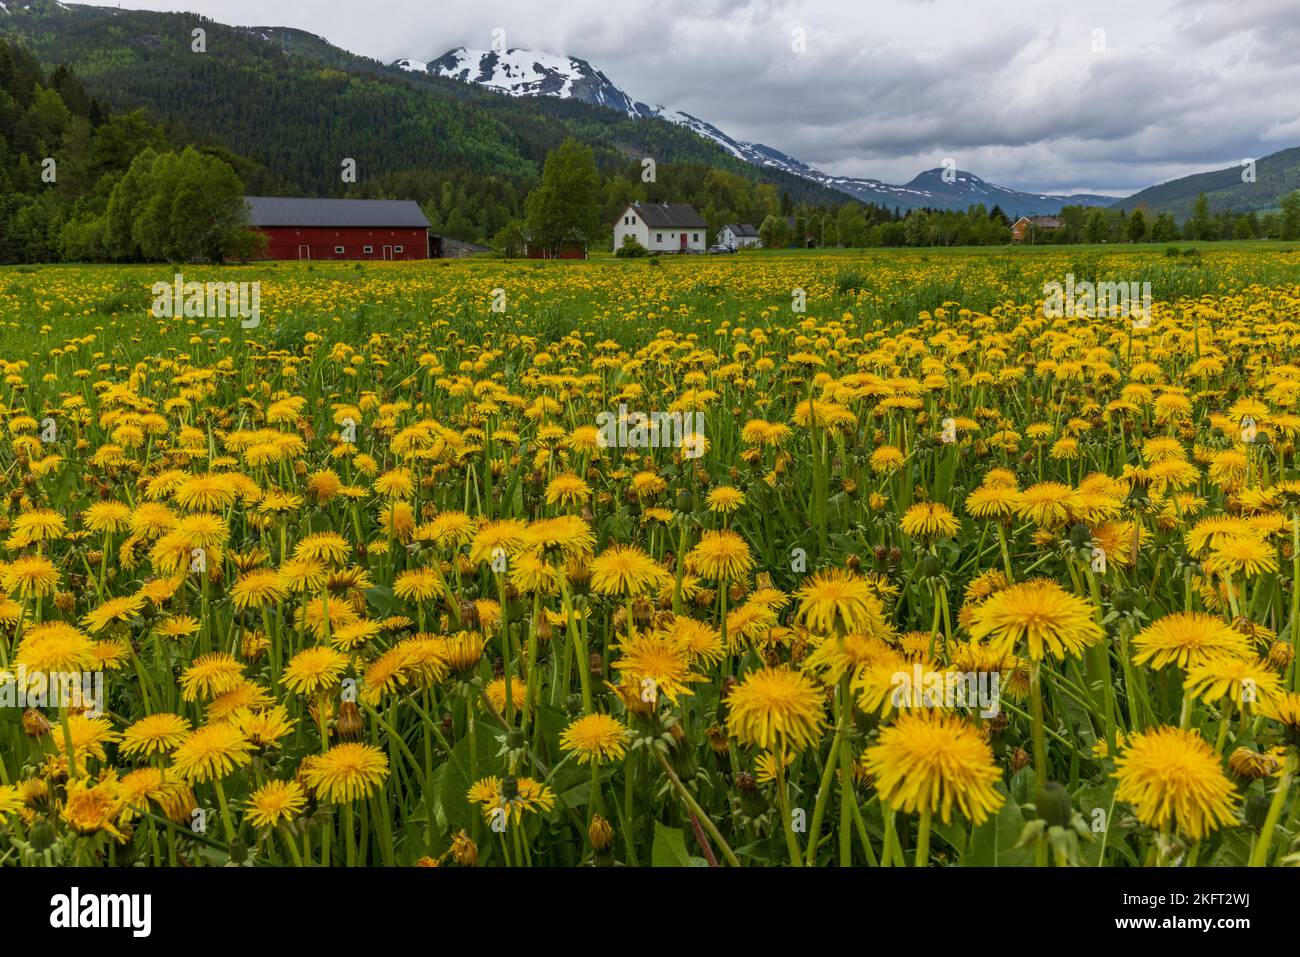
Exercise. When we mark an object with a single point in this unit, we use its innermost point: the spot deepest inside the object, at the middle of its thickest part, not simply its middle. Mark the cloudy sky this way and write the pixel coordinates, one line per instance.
(1045, 95)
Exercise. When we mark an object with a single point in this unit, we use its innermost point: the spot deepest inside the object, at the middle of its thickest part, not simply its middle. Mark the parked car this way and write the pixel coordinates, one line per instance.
(713, 250)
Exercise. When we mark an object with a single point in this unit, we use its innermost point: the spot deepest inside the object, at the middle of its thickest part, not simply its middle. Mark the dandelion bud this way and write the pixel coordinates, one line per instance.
(179, 805)
(595, 663)
(930, 567)
(1054, 806)
(448, 723)
(1019, 760)
(642, 610)
(1251, 765)
(254, 645)
(42, 836)
(351, 725)
(895, 555)
(717, 739)
(1257, 811)
(35, 724)
(579, 574)
(463, 850)
(751, 799)
(65, 601)
(600, 833)
(1280, 655)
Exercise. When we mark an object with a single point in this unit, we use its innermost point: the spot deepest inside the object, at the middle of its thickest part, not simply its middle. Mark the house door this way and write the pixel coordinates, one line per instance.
(388, 252)
(683, 242)
(304, 252)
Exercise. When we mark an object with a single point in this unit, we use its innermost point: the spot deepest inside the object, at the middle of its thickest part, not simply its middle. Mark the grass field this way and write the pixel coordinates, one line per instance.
(939, 580)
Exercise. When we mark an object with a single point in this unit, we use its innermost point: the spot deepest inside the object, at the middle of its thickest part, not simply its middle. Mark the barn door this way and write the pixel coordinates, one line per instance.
(388, 252)
(683, 242)
(304, 252)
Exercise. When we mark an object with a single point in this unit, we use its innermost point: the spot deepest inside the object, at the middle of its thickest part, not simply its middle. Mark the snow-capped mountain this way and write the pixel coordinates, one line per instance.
(526, 73)
(517, 72)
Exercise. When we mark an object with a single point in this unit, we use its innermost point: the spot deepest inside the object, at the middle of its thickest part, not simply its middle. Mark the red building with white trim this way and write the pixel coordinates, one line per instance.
(342, 229)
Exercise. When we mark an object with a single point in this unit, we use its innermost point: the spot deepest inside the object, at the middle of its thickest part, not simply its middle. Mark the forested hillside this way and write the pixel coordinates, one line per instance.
(300, 107)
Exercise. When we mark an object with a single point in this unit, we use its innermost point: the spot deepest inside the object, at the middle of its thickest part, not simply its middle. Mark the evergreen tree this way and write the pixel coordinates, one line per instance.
(1291, 215)
(1137, 227)
(565, 207)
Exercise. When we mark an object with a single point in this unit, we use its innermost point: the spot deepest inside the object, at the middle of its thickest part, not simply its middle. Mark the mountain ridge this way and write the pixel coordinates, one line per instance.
(520, 72)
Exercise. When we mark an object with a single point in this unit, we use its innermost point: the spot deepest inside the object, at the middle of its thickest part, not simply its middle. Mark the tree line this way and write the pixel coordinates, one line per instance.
(577, 202)
(80, 183)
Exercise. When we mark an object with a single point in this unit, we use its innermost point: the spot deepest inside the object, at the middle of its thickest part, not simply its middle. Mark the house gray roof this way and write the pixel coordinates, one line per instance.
(742, 230)
(670, 215)
(1045, 222)
(378, 213)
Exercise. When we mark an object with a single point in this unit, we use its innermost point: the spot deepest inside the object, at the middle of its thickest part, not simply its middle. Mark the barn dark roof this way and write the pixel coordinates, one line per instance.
(380, 213)
(742, 229)
(670, 215)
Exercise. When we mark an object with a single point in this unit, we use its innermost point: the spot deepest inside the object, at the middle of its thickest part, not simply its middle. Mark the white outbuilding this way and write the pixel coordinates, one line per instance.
(739, 236)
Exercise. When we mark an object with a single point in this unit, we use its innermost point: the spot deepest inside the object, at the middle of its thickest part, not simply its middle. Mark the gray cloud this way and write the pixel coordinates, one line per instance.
(1013, 90)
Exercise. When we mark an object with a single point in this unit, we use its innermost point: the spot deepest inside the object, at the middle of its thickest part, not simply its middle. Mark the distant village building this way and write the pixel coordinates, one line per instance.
(342, 229)
(1027, 226)
(662, 227)
(739, 236)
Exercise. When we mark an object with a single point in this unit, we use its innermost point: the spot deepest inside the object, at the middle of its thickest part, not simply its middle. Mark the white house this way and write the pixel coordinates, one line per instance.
(662, 227)
(739, 236)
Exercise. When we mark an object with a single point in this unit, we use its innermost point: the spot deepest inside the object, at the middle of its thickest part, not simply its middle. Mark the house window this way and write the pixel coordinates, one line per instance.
(399, 249)
(659, 237)
(695, 237)
(368, 249)
(338, 250)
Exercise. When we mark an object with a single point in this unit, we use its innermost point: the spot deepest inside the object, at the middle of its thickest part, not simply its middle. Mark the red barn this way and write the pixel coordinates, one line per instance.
(342, 229)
